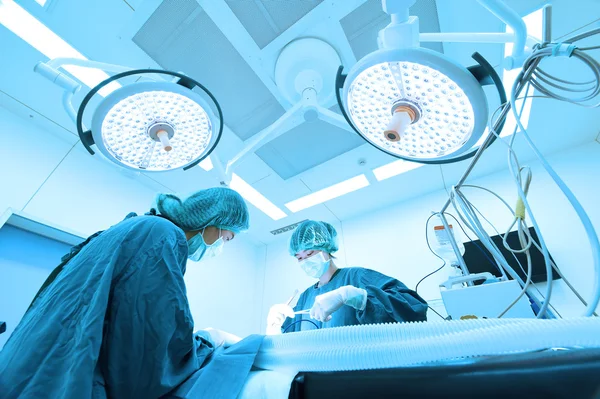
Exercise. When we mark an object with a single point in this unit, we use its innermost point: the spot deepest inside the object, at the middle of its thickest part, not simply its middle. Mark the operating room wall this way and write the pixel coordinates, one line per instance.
(392, 240)
(49, 177)
(26, 260)
(226, 292)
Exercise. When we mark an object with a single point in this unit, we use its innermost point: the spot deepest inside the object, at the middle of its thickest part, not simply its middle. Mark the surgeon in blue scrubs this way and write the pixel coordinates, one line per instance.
(341, 296)
(113, 319)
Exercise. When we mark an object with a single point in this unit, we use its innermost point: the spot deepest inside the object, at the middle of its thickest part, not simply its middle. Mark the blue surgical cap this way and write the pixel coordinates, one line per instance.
(313, 235)
(220, 207)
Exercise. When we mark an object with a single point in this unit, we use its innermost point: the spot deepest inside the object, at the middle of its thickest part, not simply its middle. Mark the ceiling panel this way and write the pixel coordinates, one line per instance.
(307, 146)
(266, 19)
(180, 36)
(360, 160)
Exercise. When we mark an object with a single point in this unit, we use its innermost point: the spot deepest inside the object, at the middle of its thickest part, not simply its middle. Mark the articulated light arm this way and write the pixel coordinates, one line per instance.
(291, 119)
(61, 62)
(70, 86)
(334, 119)
(51, 71)
(467, 37)
(224, 179)
(512, 19)
(67, 101)
(403, 31)
(57, 77)
(305, 111)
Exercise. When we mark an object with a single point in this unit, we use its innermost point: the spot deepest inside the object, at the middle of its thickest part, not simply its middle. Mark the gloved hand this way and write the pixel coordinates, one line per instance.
(326, 304)
(222, 338)
(277, 315)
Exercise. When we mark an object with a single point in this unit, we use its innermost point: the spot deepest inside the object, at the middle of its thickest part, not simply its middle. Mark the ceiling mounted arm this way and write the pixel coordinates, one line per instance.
(305, 111)
(334, 119)
(69, 85)
(51, 71)
(303, 74)
(403, 31)
(57, 77)
(512, 19)
(291, 119)
(467, 37)
(61, 62)
(224, 180)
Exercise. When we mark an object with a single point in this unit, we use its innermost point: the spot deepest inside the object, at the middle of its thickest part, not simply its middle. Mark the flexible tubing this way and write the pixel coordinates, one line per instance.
(400, 345)
(359, 335)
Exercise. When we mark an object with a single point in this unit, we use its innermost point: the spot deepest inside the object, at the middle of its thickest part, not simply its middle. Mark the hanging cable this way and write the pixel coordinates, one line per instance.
(544, 52)
(430, 249)
(551, 87)
(434, 311)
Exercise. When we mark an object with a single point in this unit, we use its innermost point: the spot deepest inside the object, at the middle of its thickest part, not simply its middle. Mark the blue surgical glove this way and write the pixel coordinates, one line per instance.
(326, 304)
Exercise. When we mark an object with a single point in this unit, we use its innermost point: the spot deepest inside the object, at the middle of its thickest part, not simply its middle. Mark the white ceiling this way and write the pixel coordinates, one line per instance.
(103, 30)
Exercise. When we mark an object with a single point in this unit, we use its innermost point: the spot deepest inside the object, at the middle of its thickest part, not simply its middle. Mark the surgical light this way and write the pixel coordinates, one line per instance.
(152, 126)
(411, 108)
(414, 103)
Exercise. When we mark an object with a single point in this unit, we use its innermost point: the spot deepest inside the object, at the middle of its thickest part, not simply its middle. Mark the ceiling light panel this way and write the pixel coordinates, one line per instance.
(329, 193)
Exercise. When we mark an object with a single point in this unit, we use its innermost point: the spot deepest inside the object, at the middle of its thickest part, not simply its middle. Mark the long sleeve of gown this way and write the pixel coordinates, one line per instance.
(388, 300)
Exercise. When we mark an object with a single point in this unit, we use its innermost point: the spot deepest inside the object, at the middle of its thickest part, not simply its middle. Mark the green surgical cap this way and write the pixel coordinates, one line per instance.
(220, 207)
(313, 235)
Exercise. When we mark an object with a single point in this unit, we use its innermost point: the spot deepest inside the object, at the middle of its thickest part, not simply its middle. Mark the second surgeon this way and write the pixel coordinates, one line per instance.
(342, 296)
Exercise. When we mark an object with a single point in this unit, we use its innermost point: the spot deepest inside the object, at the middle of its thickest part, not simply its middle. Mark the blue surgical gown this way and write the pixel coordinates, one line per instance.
(115, 322)
(388, 301)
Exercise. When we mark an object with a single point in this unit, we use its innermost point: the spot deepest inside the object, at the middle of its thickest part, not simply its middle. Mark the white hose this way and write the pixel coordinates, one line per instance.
(366, 334)
(398, 345)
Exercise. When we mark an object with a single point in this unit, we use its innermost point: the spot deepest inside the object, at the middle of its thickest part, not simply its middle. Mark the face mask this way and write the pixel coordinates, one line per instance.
(315, 266)
(199, 250)
(214, 249)
(196, 247)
